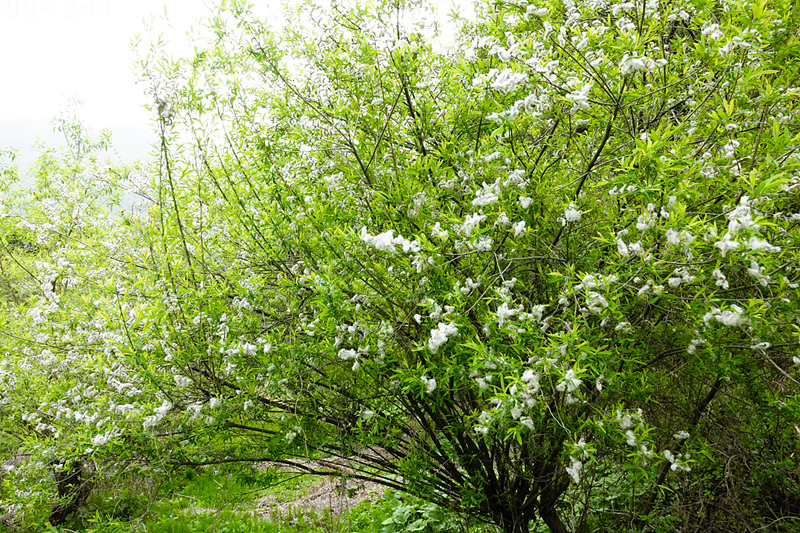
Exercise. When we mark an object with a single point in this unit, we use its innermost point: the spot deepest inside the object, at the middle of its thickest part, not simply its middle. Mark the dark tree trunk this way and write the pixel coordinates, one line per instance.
(74, 487)
(553, 521)
(514, 524)
(548, 499)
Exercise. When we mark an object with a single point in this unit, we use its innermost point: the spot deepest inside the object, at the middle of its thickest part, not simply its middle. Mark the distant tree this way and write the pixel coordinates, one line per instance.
(60, 253)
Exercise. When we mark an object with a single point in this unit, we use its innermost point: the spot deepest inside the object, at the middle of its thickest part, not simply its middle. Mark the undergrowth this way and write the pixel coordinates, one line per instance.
(224, 501)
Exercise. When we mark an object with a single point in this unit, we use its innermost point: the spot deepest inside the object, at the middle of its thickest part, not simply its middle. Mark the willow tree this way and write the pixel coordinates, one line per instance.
(546, 274)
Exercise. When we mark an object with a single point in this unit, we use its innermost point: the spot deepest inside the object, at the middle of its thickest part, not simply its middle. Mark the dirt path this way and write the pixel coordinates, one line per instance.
(335, 493)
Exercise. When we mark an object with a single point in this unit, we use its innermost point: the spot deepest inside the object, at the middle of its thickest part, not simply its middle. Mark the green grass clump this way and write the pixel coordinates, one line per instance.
(223, 500)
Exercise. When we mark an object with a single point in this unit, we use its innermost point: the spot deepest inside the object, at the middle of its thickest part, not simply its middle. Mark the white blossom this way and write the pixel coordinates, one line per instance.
(387, 242)
(757, 271)
(625, 6)
(531, 379)
(580, 98)
(471, 222)
(680, 275)
(103, 438)
(726, 244)
(438, 231)
(572, 214)
(631, 64)
(504, 312)
(668, 455)
(181, 381)
(570, 382)
(735, 42)
(712, 31)
(729, 317)
(158, 415)
(508, 80)
(622, 248)
(741, 217)
(346, 354)
(722, 281)
(534, 11)
(249, 349)
(574, 469)
(729, 150)
(595, 302)
(488, 194)
(754, 243)
(502, 220)
(676, 238)
(194, 409)
(501, 52)
(440, 335)
(645, 221)
(482, 244)
(598, 384)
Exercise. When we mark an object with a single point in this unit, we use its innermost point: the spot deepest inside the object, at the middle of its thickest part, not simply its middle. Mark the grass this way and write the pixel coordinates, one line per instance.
(210, 500)
(221, 500)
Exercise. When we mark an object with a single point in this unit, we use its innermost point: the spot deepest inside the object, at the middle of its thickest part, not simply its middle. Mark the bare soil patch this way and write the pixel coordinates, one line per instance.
(335, 493)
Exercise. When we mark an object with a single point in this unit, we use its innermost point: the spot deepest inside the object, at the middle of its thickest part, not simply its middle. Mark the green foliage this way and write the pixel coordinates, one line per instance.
(544, 278)
(222, 522)
(408, 515)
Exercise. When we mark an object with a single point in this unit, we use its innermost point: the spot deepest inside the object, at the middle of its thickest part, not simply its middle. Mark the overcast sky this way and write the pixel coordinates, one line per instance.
(54, 49)
(51, 50)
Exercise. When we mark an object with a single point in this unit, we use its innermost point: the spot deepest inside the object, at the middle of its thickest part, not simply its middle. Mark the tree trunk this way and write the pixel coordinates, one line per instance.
(551, 518)
(547, 503)
(73, 488)
(513, 524)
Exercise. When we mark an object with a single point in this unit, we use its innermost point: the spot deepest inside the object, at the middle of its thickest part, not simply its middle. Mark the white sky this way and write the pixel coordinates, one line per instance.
(54, 49)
